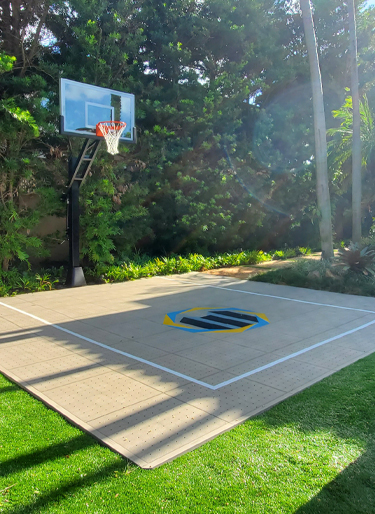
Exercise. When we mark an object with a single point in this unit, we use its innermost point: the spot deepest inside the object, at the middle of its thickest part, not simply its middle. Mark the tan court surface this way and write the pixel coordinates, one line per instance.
(102, 356)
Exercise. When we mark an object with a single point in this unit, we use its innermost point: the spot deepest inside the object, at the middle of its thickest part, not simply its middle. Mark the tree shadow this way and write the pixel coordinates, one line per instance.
(54, 451)
(76, 484)
(351, 492)
(325, 406)
(8, 389)
(322, 407)
(343, 405)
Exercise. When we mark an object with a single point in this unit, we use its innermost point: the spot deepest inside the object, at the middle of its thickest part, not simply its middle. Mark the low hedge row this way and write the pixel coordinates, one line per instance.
(15, 281)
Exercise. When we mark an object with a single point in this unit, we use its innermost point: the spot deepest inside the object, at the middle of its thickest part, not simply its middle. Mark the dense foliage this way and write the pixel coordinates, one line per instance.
(224, 158)
(338, 277)
(15, 281)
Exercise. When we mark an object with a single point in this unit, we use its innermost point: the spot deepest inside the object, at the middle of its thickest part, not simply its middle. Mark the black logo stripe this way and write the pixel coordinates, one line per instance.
(226, 321)
(197, 322)
(237, 315)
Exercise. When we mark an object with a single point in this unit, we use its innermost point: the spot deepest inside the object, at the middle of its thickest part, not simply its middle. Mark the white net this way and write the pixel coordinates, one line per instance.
(111, 131)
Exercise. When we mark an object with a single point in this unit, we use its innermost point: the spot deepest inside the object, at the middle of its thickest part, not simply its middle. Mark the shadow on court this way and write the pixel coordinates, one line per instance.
(341, 404)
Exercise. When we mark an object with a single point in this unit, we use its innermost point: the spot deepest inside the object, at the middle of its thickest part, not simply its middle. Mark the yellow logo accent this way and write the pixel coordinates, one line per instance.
(207, 319)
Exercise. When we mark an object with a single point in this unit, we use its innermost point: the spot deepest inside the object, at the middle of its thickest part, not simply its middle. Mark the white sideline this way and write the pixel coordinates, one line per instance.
(268, 295)
(92, 341)
(292, 355)
(186, 377)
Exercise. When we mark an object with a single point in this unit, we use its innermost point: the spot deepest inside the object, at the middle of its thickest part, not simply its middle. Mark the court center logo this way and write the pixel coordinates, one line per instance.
(203, 319)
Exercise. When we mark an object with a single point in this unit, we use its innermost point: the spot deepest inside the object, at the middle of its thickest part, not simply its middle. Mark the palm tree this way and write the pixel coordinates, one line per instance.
(356, 140)
(322, 187)
(341, 146)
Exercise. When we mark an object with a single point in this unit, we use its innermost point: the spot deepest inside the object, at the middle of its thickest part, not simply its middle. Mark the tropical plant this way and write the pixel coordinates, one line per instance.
(357, 260)
(321, 275)
(340, 151)
(340, 146)
(14, 281)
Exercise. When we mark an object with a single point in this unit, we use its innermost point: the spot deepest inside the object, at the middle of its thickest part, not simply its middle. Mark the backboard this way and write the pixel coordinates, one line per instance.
(82, 106)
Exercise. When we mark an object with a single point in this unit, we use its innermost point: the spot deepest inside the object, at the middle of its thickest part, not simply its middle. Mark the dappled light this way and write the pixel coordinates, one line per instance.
(187, 256)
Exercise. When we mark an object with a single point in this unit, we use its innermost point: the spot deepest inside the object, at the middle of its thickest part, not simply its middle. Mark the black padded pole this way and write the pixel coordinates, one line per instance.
(75, 277)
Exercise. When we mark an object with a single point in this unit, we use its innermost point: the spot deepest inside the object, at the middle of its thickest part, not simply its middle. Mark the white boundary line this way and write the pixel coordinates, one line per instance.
(191, 379)
(268, 295)
(292, 355)
(92, 341)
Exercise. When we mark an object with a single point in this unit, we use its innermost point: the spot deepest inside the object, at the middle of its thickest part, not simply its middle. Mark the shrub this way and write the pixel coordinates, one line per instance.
(15, 281)
(139, 267)
(321, 275)
(356, 260)
(289, 253)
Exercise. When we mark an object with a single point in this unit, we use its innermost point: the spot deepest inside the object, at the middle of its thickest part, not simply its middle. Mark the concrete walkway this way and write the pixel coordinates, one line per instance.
(131, 364)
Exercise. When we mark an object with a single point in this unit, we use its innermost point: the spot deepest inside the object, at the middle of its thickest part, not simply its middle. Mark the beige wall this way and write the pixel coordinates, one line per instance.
(59, 251)
(49, 225)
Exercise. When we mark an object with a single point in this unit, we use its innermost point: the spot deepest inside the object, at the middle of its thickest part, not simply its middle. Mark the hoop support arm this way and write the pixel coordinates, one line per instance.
(84, 161)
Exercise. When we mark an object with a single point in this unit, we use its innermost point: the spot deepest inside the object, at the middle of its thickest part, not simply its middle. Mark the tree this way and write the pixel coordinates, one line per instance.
(22, 168)
(191, 75)
(223, 158)
(322, 186)
(21, 28)
(356, 140)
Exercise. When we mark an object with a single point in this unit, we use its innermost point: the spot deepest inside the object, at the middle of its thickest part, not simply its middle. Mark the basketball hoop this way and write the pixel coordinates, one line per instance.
(111, 131)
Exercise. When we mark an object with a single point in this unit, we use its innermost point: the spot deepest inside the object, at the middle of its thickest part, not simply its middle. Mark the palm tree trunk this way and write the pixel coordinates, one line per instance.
(356, 142)
(322, 187)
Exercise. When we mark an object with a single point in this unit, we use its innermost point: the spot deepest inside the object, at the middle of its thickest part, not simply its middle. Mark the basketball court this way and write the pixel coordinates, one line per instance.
(156, 367)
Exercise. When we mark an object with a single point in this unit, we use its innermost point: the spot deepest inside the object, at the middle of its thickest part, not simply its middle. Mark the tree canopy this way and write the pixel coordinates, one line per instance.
(225, 153)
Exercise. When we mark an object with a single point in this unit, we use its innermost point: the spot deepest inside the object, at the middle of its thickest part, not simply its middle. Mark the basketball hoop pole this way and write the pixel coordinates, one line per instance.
(78, 170)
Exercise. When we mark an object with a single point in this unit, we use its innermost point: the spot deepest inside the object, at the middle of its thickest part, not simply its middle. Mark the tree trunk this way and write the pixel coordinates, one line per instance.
(322, 187)
(356, 142)
(5, 266)
(16, 18)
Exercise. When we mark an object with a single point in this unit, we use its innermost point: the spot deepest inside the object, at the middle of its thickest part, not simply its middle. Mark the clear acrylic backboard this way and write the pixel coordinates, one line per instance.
(82, 106)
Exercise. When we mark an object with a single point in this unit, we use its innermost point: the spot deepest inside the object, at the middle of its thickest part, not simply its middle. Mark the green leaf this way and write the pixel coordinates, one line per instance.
(23, 256)
(22, 115)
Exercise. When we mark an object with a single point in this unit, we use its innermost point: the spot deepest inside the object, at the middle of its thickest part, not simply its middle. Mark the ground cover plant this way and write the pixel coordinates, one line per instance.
(310, 273)
(325, 276)
(313, 453)
(16, 281)
(141, 267)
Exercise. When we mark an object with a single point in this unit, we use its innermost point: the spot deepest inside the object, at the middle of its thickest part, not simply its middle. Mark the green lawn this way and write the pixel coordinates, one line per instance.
(314, 453)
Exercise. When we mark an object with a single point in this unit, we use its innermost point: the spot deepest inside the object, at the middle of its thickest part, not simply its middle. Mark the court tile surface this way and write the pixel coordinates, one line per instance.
(103, 357)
